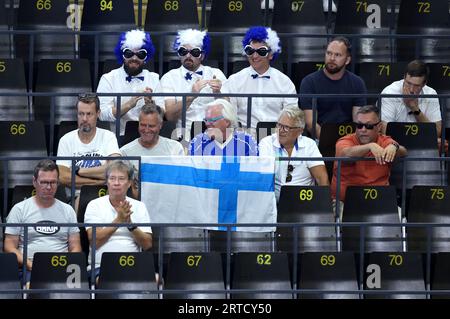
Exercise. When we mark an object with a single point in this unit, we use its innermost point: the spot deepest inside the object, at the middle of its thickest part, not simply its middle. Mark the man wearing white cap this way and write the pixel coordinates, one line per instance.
(261, 46)
(133, 50)
(192, 46)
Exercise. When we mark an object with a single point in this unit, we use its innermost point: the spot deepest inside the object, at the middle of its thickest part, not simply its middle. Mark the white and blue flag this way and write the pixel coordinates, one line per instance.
(209, 189)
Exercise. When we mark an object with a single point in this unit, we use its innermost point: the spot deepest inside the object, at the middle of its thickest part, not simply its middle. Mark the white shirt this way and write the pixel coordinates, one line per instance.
(164, 147)
(115, 82)
(100, 210)
(175, 81)
(304, 147)
(263, 109)
(395, 110)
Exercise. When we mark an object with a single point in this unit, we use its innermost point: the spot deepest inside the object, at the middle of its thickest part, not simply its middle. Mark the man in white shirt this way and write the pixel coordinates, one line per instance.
(134, 49)
(409, 109)
(192, 46)
(261, 45)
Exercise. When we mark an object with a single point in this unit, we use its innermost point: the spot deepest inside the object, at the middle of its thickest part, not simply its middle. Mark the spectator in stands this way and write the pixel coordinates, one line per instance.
(366, 142)
(42, 208)
(133, 50)
(333, 79)
(193, 48)
(408, 109)
(88, 141)
(289, 142)
(117, 208)
(261, 46)
(222, 136)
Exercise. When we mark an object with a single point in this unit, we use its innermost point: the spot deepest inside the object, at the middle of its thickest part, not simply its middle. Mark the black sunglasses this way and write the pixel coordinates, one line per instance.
(128, 54)
(290, 169)
(195, 52)
(367, 126)
(262, 51)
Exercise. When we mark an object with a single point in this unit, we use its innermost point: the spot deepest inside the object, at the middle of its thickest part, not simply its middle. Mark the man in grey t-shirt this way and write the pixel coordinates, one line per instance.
(42, 208)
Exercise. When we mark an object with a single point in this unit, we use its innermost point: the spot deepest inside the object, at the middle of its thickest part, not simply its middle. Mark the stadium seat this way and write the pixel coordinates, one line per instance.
(197, 127)
(329, 134)
(5, 43)
(194, 271)
(112, 16)
(306, 204)
(371, 204)
(241, 241)
(127, 271)
(371, 18)
(21, 139)
(9, 276)
(179, 239)
(22, 192)
(132, 131)
(440, 277)
(59, 271)
(304, 17)
(429, 204)
(12, 80)
(111, 64)
(400, 272)
(261, 271)
(327, 271)
(426, 18)
(45, 16)
(420, 139)
(60, 76)
(302, 69)
(264, 129)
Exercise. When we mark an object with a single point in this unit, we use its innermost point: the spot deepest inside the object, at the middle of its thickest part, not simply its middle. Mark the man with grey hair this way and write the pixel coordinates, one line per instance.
(222, 136)
(289, 142)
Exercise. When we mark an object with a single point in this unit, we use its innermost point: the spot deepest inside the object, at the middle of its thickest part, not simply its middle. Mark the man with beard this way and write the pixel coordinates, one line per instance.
(333, 79)
(133, 50)
(88, 141)
(192, 46)
(261, 45)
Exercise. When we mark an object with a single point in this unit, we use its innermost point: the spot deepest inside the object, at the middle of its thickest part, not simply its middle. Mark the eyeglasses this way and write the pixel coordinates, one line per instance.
(290, 169)
(213, 119)
(368, 126)
(286, 128)
(47, 183)
(195, 52)
(128, 54)
(262, 51)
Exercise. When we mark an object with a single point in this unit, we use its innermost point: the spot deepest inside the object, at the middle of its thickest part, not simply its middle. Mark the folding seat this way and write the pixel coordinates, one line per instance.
(5, 43)
(21, 139)
(302, 69)
(241, 241)
(132, 131)
(194, 271)
(402, 272)
(261, 271)
(372, 18)
(425, 18)
(127, 271)
(45, 16)
(328, 271)
(197, 127)
(9, 276)
(371, 204)
(100, 16)
(429, 204)
(420, 139)
(301, 18)
(306, 204)
(378, 75)
(22, 192)
(264, 129)
(12, 80)
(164, 17)
(329, 134)
(440, 276)
(61, 271)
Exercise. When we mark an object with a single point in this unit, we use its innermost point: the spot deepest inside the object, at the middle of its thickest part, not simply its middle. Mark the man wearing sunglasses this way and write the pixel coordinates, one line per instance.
(409, 109)
(192, 47)
(334, 78)
(261, 45)
(133, 50)
(289, 142)
(222, 137)
(366, 142)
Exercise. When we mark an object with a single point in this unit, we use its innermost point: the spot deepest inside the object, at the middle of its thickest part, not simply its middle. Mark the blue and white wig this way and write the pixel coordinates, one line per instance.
(266, 35)
(134, 40)
(194, 38)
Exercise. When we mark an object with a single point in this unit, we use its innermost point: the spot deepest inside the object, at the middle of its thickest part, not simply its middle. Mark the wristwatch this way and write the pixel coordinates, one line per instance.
(396, 145)
(415, 112)
(131, 228)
